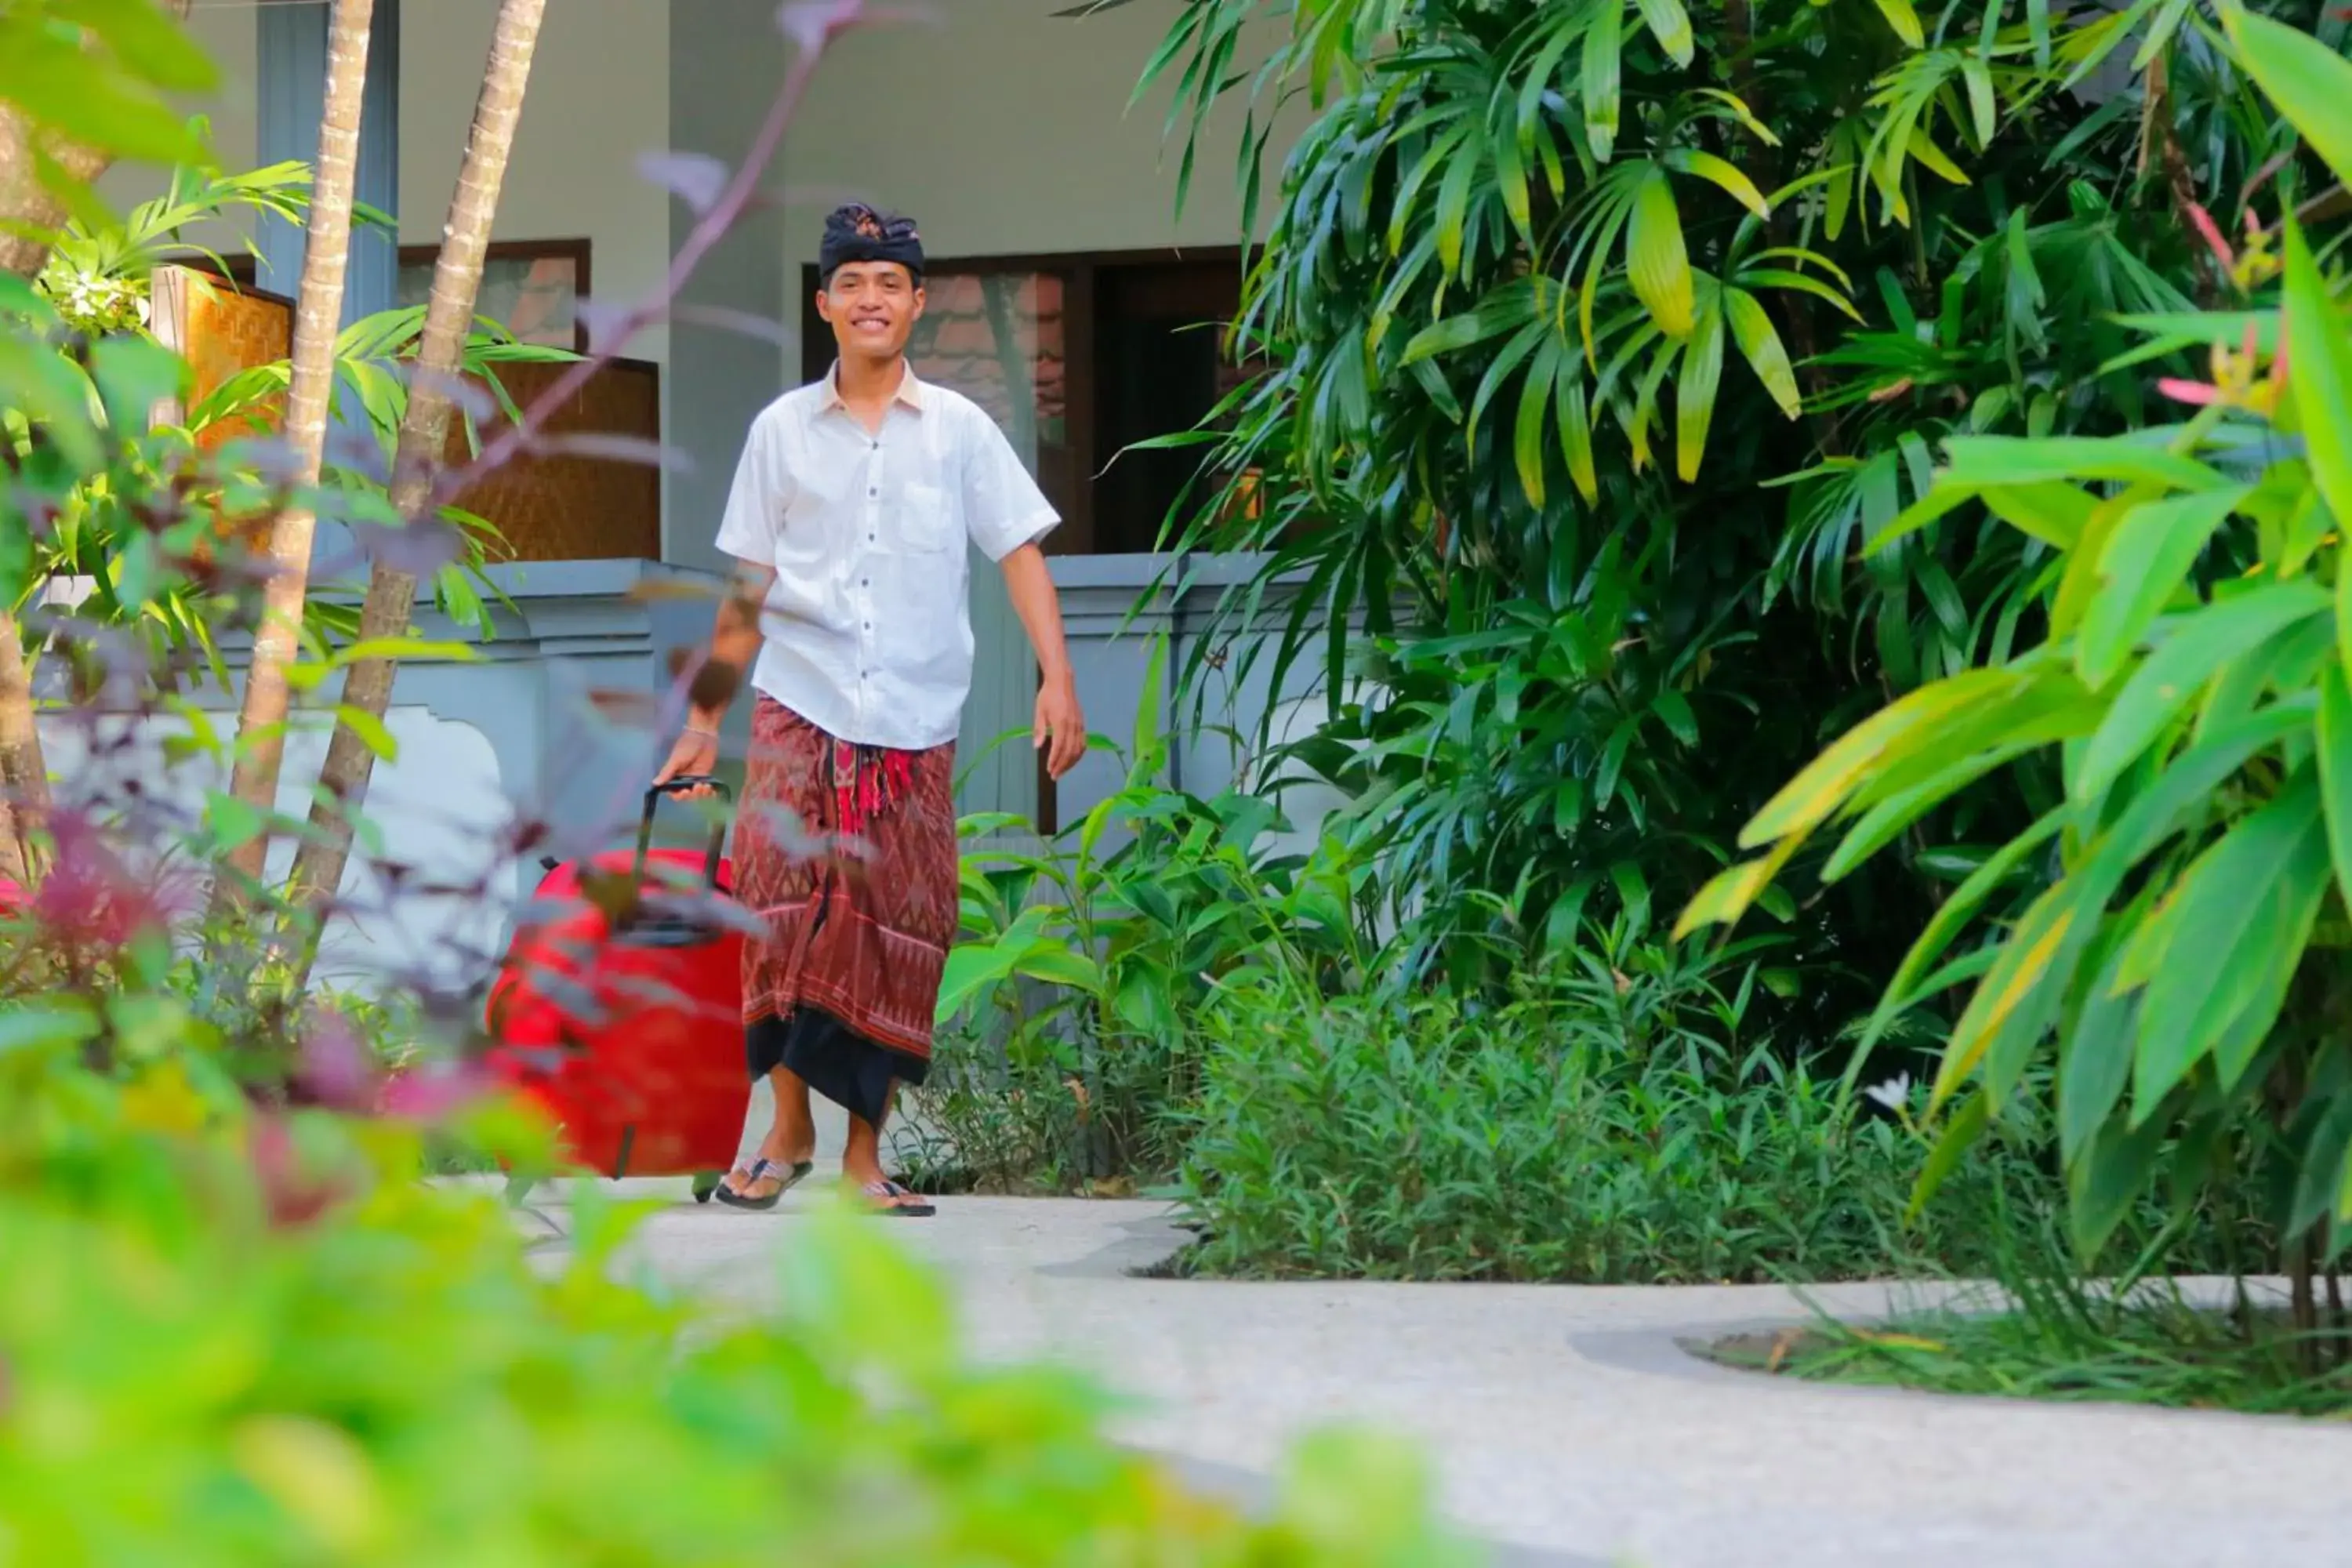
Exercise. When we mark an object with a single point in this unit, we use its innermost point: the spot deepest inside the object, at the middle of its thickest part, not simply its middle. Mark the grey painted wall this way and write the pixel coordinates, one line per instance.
(1111, 651)
(727, 60)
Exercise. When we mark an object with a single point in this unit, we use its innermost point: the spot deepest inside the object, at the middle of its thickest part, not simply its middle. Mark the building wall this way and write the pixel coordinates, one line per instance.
(227, 35)
(599, 99)
(726, 58)
(1005, 131)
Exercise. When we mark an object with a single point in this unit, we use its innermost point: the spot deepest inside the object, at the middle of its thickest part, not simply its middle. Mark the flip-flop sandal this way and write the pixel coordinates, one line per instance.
(891, 1198)
(787, 1177)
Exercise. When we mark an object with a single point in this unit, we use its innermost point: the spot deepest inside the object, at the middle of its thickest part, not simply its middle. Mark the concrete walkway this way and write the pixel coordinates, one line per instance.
(1568, 1427)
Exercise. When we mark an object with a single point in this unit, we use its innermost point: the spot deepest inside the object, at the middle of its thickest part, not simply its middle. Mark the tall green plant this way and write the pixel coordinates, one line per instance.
(1517, 254)
(1084, 963)
(2175, 919)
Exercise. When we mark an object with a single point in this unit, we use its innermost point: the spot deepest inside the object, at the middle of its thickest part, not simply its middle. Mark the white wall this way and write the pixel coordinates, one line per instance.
(440, 806)
(1005, 131)
(599, 97)
(226, 34)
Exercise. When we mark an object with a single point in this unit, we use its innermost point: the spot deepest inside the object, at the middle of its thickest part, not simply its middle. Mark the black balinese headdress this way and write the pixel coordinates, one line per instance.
(858, 232)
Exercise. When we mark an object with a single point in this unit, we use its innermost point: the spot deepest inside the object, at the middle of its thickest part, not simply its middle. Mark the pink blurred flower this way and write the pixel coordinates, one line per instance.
(337, 1070)
(88, 898)
(431, 1095)
(293, 1192)
(2211, 232)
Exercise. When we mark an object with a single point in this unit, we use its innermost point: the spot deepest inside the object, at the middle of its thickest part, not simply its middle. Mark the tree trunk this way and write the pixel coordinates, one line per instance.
(23, 772)
(318, 320)
(2303, 1309)
(424, 432)
(2159, 128)
(24, 200)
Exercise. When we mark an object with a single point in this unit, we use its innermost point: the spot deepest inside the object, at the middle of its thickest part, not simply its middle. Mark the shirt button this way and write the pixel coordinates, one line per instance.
(872, 490)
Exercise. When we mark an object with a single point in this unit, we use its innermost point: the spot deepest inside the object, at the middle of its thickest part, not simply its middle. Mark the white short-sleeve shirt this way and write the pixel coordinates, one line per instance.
(867, 632)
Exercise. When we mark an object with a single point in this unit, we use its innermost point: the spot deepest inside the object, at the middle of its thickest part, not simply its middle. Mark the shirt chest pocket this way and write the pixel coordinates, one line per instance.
(923, 522)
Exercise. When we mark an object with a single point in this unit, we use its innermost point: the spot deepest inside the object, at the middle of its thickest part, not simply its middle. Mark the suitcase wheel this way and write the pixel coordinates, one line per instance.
(706, 1183)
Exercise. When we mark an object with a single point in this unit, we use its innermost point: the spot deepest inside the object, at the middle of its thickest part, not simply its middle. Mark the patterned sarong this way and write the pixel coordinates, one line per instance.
(848, 855)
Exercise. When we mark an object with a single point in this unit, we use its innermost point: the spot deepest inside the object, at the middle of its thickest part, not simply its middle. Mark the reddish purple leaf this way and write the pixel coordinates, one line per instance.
(337, 1070)
(696, 178)
(432, 1095)
(614, 449)
(419, 549)
(746, 323)
(608, 322)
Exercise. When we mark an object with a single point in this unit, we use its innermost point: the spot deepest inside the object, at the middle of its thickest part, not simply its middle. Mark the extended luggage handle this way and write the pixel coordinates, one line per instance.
(684, 783)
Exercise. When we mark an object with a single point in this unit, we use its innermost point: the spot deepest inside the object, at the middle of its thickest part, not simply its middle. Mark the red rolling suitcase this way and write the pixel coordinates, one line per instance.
(627, 1032)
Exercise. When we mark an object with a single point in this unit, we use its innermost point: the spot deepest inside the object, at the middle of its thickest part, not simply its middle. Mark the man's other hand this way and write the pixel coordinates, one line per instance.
(696, 754)
(1061, 729)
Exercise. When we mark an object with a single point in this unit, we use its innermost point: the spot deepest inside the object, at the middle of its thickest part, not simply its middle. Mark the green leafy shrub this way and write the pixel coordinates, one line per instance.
(1517, 254)
(236, 1329)
(2174, 920)
(238, 1339)
(1066, 1013)
(1597, 1127)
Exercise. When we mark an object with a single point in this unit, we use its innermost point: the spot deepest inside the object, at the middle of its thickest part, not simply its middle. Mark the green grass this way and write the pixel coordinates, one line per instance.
(1419, 1139)
(2040, 1331)
(2160, 1351)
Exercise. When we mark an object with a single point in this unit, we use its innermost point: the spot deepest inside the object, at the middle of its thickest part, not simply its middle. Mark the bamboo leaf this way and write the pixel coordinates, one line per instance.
(1694, 390)
(2012, 996)
(1905, 21)
(2143, 564)
(1760, 345)
(2244, 868)
(2308, 81)
(1838, 198)
(2051, 510)
(1715, 171)
(2094, 1060)
(374, 734)
(2334, 752)
(1981, 106)
(2198, 646)
(1959, 1135)
(2103, 1185)
(1601, 75)
(1656, 258)
(1540, 74)
(2236, 1013)
(2027, 459)
(1527, 432)
(1807, 800)
(1744, 114)
(1507, 309)
(1670, 25)
(2321, 381)
(1453, 193)
(1727, 894)
(1933, 159)
(1576, 430)
(1957, 910)
(1796, 282)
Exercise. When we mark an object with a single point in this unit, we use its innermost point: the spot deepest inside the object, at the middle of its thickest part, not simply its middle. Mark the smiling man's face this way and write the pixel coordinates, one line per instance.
(873, 306)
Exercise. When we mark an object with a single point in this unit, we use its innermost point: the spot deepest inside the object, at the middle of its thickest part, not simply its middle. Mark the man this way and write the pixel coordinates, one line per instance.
(850, 513)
